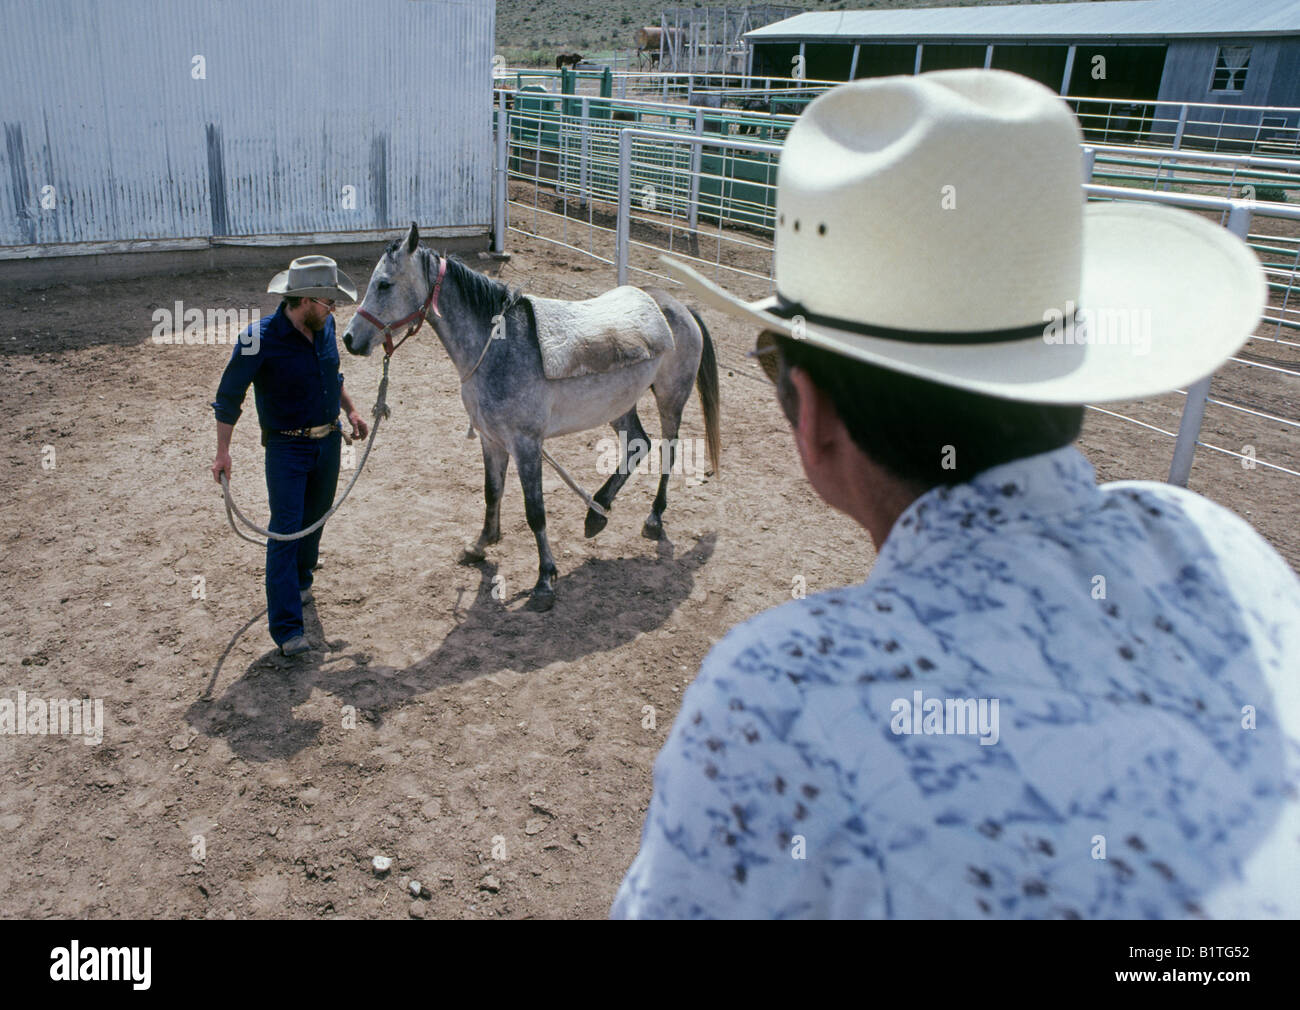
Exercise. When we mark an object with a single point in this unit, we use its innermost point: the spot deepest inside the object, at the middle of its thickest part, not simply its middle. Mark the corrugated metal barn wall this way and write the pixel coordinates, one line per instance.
(101, 99)
(1286, 76)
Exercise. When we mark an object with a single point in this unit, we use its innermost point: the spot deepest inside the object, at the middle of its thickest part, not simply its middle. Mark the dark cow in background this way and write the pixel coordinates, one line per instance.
(775, 106)
(567, 60)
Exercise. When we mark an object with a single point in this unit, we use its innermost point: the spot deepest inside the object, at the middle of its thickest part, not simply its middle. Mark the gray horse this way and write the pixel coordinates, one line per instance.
(511, 403)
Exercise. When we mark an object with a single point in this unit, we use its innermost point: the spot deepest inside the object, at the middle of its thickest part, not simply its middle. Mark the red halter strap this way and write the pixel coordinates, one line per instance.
(416, 318)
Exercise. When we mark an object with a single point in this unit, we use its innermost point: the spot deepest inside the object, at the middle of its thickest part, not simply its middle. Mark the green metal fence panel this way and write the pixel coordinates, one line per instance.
(547, 141)
(534, 130)
(738, 188)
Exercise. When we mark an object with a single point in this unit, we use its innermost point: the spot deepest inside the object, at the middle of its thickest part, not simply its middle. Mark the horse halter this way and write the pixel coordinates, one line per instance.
(416, 318)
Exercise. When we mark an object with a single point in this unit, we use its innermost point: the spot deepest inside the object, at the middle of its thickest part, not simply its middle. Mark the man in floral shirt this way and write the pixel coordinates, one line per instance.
(1050, 699)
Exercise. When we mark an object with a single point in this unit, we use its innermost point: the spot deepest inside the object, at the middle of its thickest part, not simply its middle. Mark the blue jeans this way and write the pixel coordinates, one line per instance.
(301, 477)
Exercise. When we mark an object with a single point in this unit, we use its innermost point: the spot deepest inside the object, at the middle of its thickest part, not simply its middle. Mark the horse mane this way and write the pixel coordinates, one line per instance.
(483, 294)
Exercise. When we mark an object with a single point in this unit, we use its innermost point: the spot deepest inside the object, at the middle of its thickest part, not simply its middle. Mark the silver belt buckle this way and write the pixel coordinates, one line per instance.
(317, 433)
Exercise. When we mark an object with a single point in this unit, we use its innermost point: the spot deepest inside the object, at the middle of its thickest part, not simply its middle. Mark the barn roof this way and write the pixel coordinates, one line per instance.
(1110, 19)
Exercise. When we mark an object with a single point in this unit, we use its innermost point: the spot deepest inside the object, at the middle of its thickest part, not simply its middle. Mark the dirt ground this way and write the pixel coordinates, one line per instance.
(500, 757)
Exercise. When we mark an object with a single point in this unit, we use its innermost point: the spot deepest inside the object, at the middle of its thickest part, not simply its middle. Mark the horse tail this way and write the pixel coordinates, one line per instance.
(706, 382)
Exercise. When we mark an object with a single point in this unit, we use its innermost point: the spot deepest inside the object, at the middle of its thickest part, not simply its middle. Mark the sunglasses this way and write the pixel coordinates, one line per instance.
(765, 350)
(327, 302)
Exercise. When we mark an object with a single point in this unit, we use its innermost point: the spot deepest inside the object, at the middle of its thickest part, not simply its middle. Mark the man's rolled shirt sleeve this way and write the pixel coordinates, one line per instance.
(240, 372)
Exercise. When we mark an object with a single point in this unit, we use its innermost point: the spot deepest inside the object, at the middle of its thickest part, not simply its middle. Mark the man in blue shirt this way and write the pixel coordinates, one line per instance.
(292, 362)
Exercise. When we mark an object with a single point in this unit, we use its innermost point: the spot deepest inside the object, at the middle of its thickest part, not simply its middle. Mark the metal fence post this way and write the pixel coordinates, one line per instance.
(1182, 125)
(1189, 427)
(1065, 78)
(563, 139)
(623, 226)
(1089, 163)
(1177, 145)
(503, 179)
(696, 153)
(584, 154)
(537, 158)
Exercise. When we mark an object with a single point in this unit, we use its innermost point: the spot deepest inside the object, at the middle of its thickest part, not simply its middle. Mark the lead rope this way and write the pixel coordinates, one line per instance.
(498, 320)
(592, 504)
(380, 412)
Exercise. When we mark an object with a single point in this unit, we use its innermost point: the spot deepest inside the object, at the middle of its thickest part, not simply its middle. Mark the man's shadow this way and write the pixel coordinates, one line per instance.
(254, 715)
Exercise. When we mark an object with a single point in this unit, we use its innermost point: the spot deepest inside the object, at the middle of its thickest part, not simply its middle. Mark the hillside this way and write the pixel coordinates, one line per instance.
(530, 28)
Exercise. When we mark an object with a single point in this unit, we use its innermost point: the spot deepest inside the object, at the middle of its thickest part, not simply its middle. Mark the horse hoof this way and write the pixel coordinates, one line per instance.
(594, 524)
(541, 600)
(472, 556)
(652, 530)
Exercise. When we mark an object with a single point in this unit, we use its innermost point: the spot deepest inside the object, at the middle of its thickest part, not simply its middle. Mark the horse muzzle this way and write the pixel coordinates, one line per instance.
(355, 346)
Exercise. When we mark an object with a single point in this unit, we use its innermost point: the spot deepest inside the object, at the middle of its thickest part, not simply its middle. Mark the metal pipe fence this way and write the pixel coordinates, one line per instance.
(739, 148)
(1269, 131)
(664, 85)
(667, 178)
(1237, 216)
(563, 170)
(1263, 180)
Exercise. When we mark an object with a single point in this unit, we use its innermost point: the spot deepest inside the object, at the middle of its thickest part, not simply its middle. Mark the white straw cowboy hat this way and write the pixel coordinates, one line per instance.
(314, 277)
(934, 225)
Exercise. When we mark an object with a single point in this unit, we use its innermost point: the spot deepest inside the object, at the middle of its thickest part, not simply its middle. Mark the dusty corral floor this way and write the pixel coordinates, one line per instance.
(482, 730)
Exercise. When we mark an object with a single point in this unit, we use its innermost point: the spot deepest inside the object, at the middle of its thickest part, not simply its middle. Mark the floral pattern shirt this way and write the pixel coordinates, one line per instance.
(1050, 699)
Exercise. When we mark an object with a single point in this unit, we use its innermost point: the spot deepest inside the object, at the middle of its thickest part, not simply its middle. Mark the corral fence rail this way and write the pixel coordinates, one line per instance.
(623, 180)
(1268, 131)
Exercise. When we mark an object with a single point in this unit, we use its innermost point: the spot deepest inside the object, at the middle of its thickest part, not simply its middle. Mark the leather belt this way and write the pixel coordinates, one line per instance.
(320, 431)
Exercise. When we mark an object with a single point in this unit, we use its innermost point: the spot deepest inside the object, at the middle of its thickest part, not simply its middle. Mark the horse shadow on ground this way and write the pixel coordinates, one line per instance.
(255, 717)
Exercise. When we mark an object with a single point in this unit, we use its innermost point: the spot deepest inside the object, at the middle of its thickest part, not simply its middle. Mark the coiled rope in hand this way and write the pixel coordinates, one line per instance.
(380, 412)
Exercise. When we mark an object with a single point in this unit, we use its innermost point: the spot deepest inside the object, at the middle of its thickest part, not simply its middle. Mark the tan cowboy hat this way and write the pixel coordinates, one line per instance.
(314, 277)
(934, 225)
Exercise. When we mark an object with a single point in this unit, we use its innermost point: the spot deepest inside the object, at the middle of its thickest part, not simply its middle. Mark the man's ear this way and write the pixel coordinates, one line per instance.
(817, 424)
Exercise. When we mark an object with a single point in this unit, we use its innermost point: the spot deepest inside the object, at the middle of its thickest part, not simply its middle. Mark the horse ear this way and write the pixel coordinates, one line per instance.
(412, 238)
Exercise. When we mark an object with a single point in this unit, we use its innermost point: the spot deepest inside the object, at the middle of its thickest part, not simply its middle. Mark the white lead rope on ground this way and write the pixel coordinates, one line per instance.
(380, 412)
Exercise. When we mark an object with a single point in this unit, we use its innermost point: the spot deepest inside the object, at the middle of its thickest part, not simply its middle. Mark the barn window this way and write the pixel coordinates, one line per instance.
(1230, 69)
